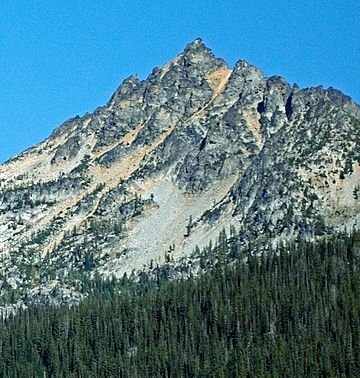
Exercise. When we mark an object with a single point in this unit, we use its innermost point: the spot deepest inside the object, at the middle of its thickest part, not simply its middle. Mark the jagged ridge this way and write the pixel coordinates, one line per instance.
(171, 160)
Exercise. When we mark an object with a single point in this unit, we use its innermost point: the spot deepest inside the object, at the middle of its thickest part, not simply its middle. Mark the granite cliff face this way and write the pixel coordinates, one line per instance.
(168, 163)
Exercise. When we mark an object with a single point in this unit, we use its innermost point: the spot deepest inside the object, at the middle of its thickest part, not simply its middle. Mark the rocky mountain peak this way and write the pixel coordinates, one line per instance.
(168, 163)
(344, 101)
(198, 54)
(198, 49)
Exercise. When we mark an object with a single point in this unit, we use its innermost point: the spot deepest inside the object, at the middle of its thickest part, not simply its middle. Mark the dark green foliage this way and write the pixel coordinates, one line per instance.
(189, 226)
(288, 313)
(83, 166)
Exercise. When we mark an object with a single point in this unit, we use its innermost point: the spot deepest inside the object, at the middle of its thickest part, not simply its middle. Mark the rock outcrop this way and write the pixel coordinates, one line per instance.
(169, 162)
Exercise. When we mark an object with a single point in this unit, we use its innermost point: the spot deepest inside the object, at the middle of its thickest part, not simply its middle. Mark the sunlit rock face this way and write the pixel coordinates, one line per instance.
(169, 162)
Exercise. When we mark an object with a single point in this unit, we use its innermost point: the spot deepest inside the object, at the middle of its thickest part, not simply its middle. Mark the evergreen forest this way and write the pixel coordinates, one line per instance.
(291, 311)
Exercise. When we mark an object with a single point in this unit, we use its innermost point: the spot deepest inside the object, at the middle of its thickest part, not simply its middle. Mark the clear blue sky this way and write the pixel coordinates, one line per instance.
(63, 58)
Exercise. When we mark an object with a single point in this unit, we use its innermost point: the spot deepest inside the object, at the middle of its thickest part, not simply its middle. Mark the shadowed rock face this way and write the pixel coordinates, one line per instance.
(111, 191)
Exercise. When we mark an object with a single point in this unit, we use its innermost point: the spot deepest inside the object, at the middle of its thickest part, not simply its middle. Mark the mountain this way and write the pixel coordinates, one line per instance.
(166, 165)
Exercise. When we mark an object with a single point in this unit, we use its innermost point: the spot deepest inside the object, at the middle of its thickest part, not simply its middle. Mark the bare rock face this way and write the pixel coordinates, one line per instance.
(169, 162)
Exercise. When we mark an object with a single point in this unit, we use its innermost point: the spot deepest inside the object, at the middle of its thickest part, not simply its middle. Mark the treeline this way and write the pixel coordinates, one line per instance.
(292, 312)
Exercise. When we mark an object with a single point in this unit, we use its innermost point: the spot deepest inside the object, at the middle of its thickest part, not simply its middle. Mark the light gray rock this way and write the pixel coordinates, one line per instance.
(236, 148)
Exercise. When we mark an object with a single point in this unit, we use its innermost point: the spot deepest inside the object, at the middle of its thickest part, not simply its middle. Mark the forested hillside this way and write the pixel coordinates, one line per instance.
(289, 312)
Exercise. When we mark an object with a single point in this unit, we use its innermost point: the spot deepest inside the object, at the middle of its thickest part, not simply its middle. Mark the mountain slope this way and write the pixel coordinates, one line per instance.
(169, 162)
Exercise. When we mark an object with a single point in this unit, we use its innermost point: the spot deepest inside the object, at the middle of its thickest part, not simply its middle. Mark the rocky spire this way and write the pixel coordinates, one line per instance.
(197, 52)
